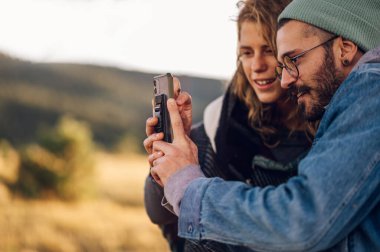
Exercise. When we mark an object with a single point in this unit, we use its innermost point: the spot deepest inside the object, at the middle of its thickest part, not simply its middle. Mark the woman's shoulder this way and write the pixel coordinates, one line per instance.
(211, 118)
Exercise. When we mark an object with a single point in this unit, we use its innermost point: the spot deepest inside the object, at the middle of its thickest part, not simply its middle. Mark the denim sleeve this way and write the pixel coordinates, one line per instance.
(336, 189)
(177, 184)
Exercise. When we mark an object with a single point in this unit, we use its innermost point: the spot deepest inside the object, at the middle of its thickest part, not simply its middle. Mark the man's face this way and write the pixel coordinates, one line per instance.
(318, 77)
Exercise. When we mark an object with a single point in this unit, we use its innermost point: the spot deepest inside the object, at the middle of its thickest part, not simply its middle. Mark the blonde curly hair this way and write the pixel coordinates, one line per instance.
(266, 119)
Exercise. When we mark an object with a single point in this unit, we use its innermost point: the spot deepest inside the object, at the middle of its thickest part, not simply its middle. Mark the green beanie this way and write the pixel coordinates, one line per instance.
(355, 20)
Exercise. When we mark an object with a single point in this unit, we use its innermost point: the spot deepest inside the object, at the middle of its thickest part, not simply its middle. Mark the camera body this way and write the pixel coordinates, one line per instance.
(163, 90)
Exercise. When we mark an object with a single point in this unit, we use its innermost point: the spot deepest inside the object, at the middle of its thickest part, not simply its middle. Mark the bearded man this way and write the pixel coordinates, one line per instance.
(329, 60)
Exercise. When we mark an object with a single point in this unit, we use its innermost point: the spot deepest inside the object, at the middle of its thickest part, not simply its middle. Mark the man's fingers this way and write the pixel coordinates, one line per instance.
(153, 157)
(176, 121)
(148, 145)
(150, 123)
(177, 87)
(184, 99)
(148, 142)
(185, 110)
(153, 172)
(162, 146)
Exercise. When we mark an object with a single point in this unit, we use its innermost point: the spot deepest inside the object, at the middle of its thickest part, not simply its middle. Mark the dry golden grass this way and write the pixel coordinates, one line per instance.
(121, 178)
(115, 220)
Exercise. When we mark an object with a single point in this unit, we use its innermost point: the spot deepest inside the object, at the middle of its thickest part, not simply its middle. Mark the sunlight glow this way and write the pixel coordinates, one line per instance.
(191, 37)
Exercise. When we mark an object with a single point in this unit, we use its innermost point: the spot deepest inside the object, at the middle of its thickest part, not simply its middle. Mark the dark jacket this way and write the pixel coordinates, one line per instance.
(229, 148)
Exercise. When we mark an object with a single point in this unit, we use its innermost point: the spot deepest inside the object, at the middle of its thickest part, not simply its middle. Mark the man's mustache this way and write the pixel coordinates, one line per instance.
(293, 91)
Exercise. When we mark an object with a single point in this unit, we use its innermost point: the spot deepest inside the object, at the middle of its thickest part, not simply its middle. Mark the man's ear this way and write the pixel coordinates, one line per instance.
(348, 52)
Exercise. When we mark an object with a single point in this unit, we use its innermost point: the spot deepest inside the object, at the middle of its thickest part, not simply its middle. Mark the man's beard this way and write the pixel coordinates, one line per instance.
(327, 80)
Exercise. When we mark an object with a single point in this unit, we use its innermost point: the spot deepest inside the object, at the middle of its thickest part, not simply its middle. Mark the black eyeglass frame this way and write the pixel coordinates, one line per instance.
(280, 67)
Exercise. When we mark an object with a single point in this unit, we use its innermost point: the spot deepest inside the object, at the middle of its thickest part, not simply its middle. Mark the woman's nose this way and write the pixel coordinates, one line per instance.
(258, 64)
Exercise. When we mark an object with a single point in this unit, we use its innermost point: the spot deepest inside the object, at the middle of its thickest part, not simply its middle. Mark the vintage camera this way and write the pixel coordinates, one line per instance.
(163, 90)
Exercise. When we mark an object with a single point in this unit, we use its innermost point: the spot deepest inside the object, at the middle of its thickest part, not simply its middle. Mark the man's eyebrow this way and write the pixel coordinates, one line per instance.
(286, 54)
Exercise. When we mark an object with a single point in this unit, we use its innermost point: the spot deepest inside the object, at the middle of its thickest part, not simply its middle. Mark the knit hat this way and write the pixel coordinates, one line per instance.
(355, 20)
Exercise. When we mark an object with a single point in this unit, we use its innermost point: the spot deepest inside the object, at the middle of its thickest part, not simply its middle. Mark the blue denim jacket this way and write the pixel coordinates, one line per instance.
(333, 202)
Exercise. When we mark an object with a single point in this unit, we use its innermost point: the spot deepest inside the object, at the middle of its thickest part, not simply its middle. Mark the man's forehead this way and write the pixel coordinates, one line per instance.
(291, 36)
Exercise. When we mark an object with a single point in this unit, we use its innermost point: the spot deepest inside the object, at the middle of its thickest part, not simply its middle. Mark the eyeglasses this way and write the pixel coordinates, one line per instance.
(290, 62)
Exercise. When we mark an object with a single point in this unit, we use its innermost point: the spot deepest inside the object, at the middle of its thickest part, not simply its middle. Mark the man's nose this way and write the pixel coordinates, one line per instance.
(286, 79)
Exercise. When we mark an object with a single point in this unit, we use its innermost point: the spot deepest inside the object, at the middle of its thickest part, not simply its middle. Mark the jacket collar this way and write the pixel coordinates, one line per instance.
(369, 57)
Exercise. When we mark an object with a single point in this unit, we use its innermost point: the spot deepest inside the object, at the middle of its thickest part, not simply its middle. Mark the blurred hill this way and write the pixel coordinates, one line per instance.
(114, 102)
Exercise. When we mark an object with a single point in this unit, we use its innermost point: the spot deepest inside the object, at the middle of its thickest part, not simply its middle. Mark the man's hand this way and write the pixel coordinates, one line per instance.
(183, 100)
(180, 153)
(185, 110)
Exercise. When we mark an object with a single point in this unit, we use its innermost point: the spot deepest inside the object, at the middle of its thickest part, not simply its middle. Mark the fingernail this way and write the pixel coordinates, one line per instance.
(171, 101)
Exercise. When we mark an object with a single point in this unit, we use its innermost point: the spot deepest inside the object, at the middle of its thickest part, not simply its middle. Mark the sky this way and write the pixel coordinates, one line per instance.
(196, 37)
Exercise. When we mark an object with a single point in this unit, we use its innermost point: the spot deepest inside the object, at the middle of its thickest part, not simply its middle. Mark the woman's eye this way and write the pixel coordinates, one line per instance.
(245, 54)
(268, 51)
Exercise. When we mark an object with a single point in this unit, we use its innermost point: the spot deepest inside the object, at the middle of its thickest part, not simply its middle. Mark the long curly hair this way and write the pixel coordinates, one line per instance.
(266, 119)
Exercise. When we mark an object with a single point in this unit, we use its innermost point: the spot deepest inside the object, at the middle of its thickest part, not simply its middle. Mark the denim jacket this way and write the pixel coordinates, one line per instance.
(334, 202)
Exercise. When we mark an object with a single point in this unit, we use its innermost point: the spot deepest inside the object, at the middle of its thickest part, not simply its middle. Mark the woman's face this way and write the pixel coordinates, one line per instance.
(258, 62)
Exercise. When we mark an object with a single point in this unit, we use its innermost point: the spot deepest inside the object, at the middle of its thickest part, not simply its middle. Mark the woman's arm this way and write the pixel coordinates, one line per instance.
(153, 196)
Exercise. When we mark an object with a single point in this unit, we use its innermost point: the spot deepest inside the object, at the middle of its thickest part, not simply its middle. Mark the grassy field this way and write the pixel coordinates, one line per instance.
(113, 219)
